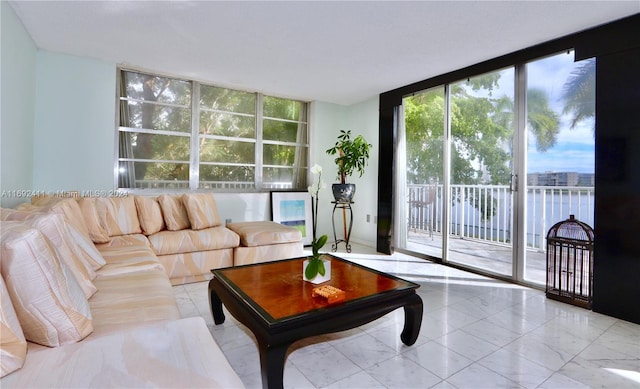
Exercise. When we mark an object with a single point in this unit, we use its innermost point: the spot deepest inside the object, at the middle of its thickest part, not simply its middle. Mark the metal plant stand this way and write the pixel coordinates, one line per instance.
(344, 206)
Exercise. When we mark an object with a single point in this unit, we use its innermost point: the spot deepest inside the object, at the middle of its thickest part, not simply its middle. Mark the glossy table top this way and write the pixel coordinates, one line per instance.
(277, 292)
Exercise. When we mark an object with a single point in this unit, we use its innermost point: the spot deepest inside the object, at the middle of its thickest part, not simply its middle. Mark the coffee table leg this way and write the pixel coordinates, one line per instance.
(216, 307)
(272, 364)
(412, 320)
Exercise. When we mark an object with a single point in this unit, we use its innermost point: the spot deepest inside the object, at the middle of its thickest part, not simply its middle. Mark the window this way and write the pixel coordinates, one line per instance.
(182, 134)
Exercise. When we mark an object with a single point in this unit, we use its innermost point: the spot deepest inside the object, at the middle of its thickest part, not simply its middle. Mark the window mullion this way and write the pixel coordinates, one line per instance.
(194, 159)
(259, 153)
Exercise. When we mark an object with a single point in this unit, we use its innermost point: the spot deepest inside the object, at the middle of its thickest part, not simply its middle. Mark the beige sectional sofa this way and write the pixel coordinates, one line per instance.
(87, 295)
(185, 232)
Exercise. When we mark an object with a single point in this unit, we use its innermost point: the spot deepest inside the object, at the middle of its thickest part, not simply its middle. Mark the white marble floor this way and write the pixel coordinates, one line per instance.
(477, 332)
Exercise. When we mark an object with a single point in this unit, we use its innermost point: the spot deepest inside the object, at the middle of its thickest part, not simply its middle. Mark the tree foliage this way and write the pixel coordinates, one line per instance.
(579, 92)
(481, 132)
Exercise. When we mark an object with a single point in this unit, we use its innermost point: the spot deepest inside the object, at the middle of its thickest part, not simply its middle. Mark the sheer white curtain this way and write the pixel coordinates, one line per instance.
(126, 170)
(299, 177)
(400, 223)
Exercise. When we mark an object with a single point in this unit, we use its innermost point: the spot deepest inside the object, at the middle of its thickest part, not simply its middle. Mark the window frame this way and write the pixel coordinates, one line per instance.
(193, 183)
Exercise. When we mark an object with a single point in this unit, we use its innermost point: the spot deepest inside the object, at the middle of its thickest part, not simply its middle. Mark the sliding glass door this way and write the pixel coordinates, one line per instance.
(561, 151)
(424, 120)
(481, 145)
(486, 165)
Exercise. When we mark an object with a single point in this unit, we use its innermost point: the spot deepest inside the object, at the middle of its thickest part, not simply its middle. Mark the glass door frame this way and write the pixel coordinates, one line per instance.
(518, 185)
(519, 174)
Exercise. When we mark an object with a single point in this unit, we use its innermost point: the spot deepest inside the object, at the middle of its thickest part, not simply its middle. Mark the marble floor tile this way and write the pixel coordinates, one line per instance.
(402, 372)
(561, 381)
(438, 359)
(365, 350)
(488, 331)
(467, 345)
(478, 376)
(476, 332)
(358, 380)
(324, 367)
(519, 370)
(390, 336)
(603, 373)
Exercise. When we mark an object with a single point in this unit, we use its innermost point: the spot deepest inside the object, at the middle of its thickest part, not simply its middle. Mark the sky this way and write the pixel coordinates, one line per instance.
(575, 148)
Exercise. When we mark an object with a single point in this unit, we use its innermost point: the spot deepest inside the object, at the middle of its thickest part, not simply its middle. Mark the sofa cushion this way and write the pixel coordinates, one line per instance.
(70, 210)
(196, 266)
(128, 258)
(257, 254)
(50, 305)
(261, 233)
(56, 231)
(125, 240)
(118, 215)
(167, 354)
(132, 297)
(13, 346)
(201, 210)
(76, 250)
(186, 241)
(150, 214)
(66, 206)
(174, 212)
(92, 221)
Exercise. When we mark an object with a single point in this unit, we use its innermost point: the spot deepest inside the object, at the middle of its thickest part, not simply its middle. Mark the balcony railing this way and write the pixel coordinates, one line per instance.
(484, 212)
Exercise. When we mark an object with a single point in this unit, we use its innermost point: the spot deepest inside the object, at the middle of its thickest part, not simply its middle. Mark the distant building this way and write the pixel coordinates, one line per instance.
(561, 179)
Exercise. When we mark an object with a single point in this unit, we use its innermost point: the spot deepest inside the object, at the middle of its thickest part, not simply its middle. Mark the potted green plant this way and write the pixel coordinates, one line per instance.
(352, 155)
(315, 269)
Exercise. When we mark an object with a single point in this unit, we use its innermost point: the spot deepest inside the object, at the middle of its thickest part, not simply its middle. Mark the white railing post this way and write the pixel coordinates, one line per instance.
(543, 217)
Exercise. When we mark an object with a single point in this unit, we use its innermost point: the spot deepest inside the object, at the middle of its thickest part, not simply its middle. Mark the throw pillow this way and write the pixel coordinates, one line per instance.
(150, 214)
(97, 232)
(118, 215)
(174, 212)
(201, 210)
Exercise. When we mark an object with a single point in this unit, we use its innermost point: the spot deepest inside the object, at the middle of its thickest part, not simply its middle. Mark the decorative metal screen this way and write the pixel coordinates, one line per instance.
(570, 262)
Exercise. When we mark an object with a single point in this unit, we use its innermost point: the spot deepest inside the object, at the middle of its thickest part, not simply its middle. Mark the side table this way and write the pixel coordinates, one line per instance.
(344, 206)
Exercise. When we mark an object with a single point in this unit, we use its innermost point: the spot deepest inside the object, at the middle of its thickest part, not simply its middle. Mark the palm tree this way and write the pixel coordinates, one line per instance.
(544, 122)
(579, 93)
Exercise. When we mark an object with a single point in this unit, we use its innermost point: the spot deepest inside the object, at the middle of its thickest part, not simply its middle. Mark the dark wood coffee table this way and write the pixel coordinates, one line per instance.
(273, 301)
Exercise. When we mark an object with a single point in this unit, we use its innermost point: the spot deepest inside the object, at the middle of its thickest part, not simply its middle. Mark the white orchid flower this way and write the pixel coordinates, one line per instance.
(316, 169)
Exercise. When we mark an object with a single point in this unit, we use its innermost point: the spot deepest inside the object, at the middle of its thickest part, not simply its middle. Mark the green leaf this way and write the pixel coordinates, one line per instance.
(312, 269)
(322, 241)
(321, 269)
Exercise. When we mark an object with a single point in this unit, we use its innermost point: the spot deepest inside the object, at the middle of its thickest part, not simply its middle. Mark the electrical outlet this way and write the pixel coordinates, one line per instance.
(227, 221)
(368, 218)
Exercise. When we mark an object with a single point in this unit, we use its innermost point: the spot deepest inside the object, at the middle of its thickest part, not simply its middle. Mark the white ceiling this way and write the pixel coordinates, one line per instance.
(339, 52)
